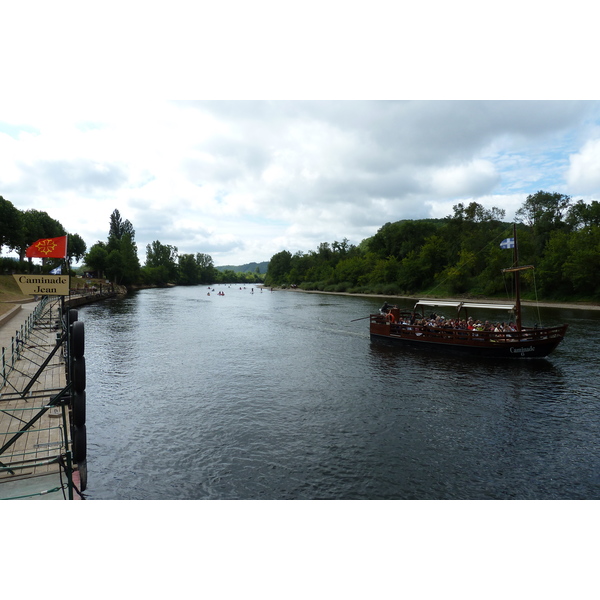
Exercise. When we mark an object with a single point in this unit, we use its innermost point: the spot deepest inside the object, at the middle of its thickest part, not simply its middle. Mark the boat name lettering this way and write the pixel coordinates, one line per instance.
(522, 350)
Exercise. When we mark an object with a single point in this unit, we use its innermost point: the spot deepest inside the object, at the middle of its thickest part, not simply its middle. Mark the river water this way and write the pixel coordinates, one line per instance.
(282, 395)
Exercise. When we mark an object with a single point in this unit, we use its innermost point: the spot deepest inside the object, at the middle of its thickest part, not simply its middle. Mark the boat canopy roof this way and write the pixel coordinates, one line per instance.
(464, 305)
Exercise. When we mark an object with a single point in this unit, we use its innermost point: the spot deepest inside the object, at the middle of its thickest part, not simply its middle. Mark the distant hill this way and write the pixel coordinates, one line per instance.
(245, 268)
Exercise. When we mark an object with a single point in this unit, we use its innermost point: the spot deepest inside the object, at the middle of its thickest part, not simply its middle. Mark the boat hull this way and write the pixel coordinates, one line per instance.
(529, 343)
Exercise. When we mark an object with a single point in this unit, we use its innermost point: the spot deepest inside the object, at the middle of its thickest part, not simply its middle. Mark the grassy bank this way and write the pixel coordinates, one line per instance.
(10, 294)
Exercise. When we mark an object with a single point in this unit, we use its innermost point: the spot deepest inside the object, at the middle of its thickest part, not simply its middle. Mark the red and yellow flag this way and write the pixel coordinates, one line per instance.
(48, 248)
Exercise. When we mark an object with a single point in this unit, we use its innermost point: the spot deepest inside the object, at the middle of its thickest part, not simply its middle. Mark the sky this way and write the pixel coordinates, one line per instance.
(243, 180)
(281, 138)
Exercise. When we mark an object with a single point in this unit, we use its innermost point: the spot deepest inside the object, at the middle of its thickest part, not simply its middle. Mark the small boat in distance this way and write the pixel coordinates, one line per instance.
(460, 333)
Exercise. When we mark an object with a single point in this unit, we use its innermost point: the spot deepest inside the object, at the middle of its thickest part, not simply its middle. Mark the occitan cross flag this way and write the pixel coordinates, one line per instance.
(48, 248)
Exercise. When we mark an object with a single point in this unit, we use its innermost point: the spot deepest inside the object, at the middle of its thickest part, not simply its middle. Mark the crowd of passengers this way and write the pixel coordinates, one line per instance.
(441, 322)
(469, 324)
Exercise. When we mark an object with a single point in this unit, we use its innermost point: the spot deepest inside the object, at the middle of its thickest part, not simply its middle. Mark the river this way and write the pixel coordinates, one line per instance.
(282, 395)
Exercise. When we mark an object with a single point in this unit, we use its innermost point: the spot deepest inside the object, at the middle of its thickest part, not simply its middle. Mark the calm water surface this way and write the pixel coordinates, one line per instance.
(282, 396)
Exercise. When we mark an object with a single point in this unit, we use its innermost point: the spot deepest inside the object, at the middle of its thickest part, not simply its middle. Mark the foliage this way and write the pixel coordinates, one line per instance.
(461, 254)
(165, 256)
(8, 266)
(10, 225)
(582, 266)
(19, 229)
(36, 224)
(96, 259)
(245, 277)
(544, 212)
(196, 269)
(279, 269)
(76, 247)
(122, 263)
(117, 258)
(117, 230)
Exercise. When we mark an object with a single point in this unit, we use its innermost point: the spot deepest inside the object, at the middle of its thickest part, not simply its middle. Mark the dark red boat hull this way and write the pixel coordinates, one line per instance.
(529, 343)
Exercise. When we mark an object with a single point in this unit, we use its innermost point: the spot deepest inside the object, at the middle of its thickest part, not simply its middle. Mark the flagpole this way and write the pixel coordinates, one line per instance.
(67, 266)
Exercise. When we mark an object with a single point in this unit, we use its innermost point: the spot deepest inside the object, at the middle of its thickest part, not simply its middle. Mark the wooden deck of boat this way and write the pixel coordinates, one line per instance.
(44, 441)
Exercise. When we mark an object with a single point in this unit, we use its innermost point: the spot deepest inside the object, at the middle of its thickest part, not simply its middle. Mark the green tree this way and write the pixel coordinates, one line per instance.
(400, 238)
(458, 276)
(544, 212)
(96, 259)
(490, 280)
(206, 268)
(75, 247)
(279, 268)
(35, 225)
(163, 255)
(470, 229)
(351, 270)
(413, 274)
(10, 225)
(381, 270)
(189, 271)
(549, 268)
(418, 269)
(117, 230)
(582, 265)
(154, 275)
(123, 264)
(582, 214)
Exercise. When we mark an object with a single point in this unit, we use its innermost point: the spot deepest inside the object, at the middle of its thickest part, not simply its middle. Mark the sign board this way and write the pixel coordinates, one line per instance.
(48, 285)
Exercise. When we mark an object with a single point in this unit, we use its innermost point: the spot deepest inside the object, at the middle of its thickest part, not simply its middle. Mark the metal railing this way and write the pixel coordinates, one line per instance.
(12, 354)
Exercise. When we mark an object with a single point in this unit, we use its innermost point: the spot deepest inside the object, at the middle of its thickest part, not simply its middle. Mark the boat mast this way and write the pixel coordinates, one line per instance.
(516, 269)
(517, 278)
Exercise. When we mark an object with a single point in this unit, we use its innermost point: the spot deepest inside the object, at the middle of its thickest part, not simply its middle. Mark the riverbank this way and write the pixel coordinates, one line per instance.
(407, 299)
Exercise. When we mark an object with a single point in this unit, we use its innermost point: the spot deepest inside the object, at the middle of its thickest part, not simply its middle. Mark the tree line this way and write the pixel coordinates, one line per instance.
(115, 259)
(19, 229)
(461, 255)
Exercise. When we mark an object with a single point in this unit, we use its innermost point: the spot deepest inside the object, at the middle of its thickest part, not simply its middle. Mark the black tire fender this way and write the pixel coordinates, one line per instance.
(78, 374)
(72, 316)
(79, 444)
(78, 339)
(78, 400)
(82, 468)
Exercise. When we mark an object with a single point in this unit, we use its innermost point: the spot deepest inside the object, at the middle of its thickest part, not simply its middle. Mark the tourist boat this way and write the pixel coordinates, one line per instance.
(422, 326)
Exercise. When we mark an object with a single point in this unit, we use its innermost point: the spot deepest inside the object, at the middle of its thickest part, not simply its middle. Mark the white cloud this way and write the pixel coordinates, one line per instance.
(583, 176)
(244, 180)
(475, 178)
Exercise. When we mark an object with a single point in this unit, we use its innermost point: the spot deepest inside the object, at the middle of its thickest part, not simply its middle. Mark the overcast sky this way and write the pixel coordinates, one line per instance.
(243, 179)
